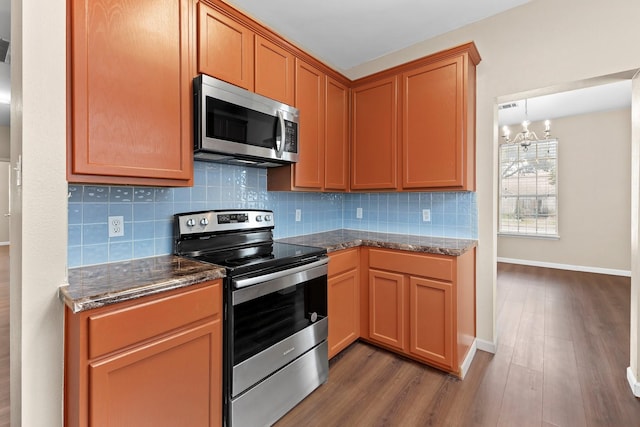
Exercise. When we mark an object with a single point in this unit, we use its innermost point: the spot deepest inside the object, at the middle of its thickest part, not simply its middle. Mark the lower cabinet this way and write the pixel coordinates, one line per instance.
(343, 289)
(386, 308)
(155, 361)
(430, 322)
(422, 306)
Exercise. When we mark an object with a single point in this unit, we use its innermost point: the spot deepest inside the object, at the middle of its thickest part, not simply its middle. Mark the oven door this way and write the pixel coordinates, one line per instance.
(273, 319)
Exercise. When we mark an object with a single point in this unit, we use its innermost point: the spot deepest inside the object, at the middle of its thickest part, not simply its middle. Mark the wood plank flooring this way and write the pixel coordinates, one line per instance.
(4, 336)
(561, 361)
(562, 356)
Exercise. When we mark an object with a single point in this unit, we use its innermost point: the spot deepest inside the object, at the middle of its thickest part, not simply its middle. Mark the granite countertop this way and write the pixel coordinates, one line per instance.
(342, 239)
(99, 285)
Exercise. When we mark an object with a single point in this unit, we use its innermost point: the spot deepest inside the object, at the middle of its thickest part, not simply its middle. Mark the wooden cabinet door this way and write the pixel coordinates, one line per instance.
(173, 381)
(386, 308)
(431, 320)
(130, 116)
(309, 171)
(433, 125)
(336, 159)
(374, 135)
(225, 47)
(343, 307)
(274, 71)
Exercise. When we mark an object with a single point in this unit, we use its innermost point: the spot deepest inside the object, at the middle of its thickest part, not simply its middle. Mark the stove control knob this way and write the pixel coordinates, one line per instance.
(191, 222)
(259, 218)
(267, 218)
(204, 221)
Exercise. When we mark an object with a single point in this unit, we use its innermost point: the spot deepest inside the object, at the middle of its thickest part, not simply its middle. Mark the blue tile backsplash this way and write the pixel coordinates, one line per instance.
(148, 211)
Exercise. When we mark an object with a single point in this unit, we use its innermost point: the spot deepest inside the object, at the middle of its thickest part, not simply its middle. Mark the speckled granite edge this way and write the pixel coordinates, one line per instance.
(343, 239)
(100, 285)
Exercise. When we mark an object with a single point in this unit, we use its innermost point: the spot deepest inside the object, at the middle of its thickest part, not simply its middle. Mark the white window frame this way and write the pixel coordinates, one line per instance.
(504, 230)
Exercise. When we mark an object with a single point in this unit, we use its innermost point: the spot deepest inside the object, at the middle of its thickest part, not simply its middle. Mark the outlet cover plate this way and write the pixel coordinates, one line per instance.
(116, 226)
(426, 215)
(359, 213)
(298, 215)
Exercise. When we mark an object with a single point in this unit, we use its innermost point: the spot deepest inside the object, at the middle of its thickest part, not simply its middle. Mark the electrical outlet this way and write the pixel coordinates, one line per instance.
(116, 226)
(359, 213)
(426, 215)
(298, 215)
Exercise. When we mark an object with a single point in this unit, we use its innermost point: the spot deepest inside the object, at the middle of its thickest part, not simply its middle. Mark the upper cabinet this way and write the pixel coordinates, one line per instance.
(225, 47)
(230, 50)
(374, 144)
(336, 116)
(130, 75)
(274, 71)
(433, 99)
(309, 171)
(131, 66)
(323, 102)
(438, 124)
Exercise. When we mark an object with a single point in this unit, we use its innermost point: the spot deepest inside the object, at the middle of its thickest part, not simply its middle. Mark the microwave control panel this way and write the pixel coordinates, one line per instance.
(290, 137)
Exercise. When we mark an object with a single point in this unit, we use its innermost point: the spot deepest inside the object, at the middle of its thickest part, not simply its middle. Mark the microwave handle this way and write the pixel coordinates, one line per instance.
(280, 140)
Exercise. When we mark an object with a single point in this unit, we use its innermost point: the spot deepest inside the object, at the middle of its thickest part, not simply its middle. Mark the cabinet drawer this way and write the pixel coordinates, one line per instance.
(344, 260)
(112, 330)
(435, 266)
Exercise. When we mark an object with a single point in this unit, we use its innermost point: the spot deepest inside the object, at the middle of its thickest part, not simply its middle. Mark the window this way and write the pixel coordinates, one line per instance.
(528, 189)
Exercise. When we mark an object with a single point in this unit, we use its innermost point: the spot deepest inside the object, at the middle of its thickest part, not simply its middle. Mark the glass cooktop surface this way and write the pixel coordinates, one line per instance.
(260, 257)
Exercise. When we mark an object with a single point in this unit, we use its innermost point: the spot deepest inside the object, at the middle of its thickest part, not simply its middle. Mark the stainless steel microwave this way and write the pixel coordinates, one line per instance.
(233, 125)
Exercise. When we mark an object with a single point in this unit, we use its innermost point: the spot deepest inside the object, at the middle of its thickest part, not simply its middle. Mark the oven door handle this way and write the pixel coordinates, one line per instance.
(279, 280)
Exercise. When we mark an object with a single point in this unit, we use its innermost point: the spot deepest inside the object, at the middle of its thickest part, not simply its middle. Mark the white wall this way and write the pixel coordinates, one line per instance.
(543, 44)
(39, 211)
(594, 187)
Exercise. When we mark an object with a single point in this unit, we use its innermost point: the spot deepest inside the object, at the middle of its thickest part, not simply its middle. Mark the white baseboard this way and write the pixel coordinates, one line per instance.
(488, 346)
(585, 269)
(466, 363)
(633, 382)
(4, 243)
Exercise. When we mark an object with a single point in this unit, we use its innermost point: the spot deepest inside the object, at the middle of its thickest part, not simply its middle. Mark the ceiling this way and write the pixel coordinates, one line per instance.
(347, 33)
(605, 97)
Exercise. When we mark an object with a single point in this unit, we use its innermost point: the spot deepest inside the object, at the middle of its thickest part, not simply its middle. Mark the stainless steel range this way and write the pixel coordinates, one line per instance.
(275, 324)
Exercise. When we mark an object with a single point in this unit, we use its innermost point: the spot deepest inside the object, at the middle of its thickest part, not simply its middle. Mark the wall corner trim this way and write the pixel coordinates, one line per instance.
(488, 346)
(582, 268)
(633, 382)
(466, 363)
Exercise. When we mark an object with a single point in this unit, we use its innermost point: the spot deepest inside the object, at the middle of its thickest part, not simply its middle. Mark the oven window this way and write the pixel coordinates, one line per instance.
(264, 321)
(230, 122)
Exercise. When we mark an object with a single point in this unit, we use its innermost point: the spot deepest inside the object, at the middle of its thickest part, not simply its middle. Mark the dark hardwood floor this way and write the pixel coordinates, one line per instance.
(561, 361)
(4, 336)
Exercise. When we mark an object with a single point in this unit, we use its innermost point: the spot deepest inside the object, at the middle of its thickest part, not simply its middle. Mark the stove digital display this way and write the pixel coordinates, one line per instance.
(232, 218)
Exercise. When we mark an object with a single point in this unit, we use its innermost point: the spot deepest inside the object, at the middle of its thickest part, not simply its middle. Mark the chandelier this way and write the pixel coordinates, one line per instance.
(525, 137)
